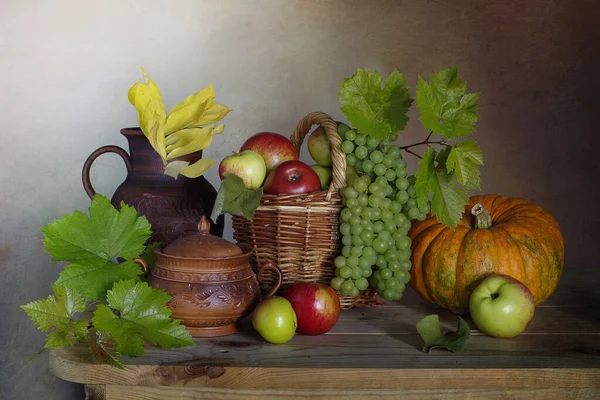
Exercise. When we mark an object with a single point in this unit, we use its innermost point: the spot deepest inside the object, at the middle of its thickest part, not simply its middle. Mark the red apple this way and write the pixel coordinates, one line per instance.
(248, 165)
(317, 306)
(292, 176)
(274, 148)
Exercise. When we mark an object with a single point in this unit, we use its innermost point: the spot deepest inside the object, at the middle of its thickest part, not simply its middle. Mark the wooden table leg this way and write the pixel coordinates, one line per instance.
(95, 392)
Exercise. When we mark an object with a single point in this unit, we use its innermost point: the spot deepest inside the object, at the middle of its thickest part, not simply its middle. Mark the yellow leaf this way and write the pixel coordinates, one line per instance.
(214, 113)
(132, 91)
(183, 117)
(174, 167)
(208, 93)
(197, 169)
(147, 99)
(191, 140)
(155, 91)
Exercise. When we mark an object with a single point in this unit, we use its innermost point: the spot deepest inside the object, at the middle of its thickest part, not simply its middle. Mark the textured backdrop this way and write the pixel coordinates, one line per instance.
(66, 65)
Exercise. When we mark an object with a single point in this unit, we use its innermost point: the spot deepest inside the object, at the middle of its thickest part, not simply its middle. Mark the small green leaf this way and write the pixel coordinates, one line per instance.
(57, 313)
(464, 159)
(218, 204)
(430, 330)
(235, 199)
(444, 106)
(102, 347)
(143, 313)
(372, 109)
(449, 199)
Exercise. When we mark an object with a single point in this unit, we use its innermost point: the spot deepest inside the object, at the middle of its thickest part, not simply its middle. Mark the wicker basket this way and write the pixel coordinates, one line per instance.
(300, 232)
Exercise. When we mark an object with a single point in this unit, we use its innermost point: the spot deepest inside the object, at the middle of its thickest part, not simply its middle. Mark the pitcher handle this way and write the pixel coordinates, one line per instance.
(272, 267)
(142, 264)
(87, 166)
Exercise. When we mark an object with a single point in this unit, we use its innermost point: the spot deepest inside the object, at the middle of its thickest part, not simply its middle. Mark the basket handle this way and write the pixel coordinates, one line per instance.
(338, 158)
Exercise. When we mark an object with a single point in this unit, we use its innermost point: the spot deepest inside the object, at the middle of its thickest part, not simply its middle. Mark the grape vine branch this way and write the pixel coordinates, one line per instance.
(424, 142)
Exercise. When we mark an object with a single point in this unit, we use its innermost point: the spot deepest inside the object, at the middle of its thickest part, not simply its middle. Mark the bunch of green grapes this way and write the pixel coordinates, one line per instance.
(379, 204)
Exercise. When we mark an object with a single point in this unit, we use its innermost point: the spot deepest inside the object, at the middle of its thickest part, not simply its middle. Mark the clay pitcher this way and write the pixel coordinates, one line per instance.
(172, 206)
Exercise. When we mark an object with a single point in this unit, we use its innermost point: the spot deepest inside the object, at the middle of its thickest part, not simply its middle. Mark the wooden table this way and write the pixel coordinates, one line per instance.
(372, 352)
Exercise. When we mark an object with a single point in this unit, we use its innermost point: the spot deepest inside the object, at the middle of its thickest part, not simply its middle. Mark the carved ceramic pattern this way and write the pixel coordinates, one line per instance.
(234, 295)
(204, 277)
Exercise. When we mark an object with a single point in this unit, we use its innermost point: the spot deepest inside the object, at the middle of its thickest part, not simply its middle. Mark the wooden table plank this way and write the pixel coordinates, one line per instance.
(372, 351)
(164, 393)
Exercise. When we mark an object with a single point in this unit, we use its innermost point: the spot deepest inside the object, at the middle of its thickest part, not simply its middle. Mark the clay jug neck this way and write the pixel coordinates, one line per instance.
(146, 164)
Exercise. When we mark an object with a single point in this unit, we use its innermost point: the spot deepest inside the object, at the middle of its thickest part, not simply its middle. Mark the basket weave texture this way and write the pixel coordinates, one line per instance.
(299, 233)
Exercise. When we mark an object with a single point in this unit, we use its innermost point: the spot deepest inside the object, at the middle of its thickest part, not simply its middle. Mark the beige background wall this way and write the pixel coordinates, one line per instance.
(66, 65)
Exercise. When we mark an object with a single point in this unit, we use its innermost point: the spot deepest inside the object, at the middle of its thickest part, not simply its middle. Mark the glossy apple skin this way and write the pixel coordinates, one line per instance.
(248, 165)
(273, 147)
(292, 177)
(501, 306)
(275, 319)
(317, 307)
(324, 174)
(319, 147)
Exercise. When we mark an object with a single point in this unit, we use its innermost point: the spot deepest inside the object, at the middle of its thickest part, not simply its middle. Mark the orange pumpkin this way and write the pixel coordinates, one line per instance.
(497, 234)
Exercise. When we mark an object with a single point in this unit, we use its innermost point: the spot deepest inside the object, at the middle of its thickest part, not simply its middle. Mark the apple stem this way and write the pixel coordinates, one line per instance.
(482, 217)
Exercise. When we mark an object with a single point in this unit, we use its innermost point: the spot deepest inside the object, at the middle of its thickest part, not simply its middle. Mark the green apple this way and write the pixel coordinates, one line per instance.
(319, 147)
(324, 175)
(248, 165)
(501, 306)
(274, 318)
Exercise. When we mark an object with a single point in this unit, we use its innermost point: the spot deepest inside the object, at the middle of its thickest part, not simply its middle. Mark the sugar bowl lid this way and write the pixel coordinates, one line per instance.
(202, 244)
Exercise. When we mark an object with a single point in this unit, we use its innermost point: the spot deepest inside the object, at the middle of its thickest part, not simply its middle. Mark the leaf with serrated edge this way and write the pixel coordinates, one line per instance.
(58, 312)
(464, 159)
(239, 200)
(399, 101)
(449, 199)
(424, 177)
(92, 244)
(102, 347)
(430, 330)
(218, 204)
(371, 109)
(444, 106)
(143, 313)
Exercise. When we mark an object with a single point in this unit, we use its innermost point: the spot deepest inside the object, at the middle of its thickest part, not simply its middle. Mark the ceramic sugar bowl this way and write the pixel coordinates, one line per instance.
(210, 280)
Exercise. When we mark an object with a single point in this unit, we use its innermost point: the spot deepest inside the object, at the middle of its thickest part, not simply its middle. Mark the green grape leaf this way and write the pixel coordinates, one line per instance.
(431, 332)
(444, 106)
(102, 348)
(372, 109)
(464, 159)
(449, 199)
(235, 199)
(142, 313)
(92, 244)
(58, 313)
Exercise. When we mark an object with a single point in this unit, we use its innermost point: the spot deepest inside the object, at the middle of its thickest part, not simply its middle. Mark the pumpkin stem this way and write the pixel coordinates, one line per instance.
(482, 217)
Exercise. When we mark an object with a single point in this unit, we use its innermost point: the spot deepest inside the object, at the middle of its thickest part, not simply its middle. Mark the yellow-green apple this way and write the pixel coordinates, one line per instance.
(317, 306)
(275, 319)
(248, 165)
(501, 306)
(292, 177)
(319, 147)
(324, 174)
(273, 147)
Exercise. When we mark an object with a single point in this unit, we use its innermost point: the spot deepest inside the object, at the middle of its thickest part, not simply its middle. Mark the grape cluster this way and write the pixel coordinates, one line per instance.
(379, 204)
